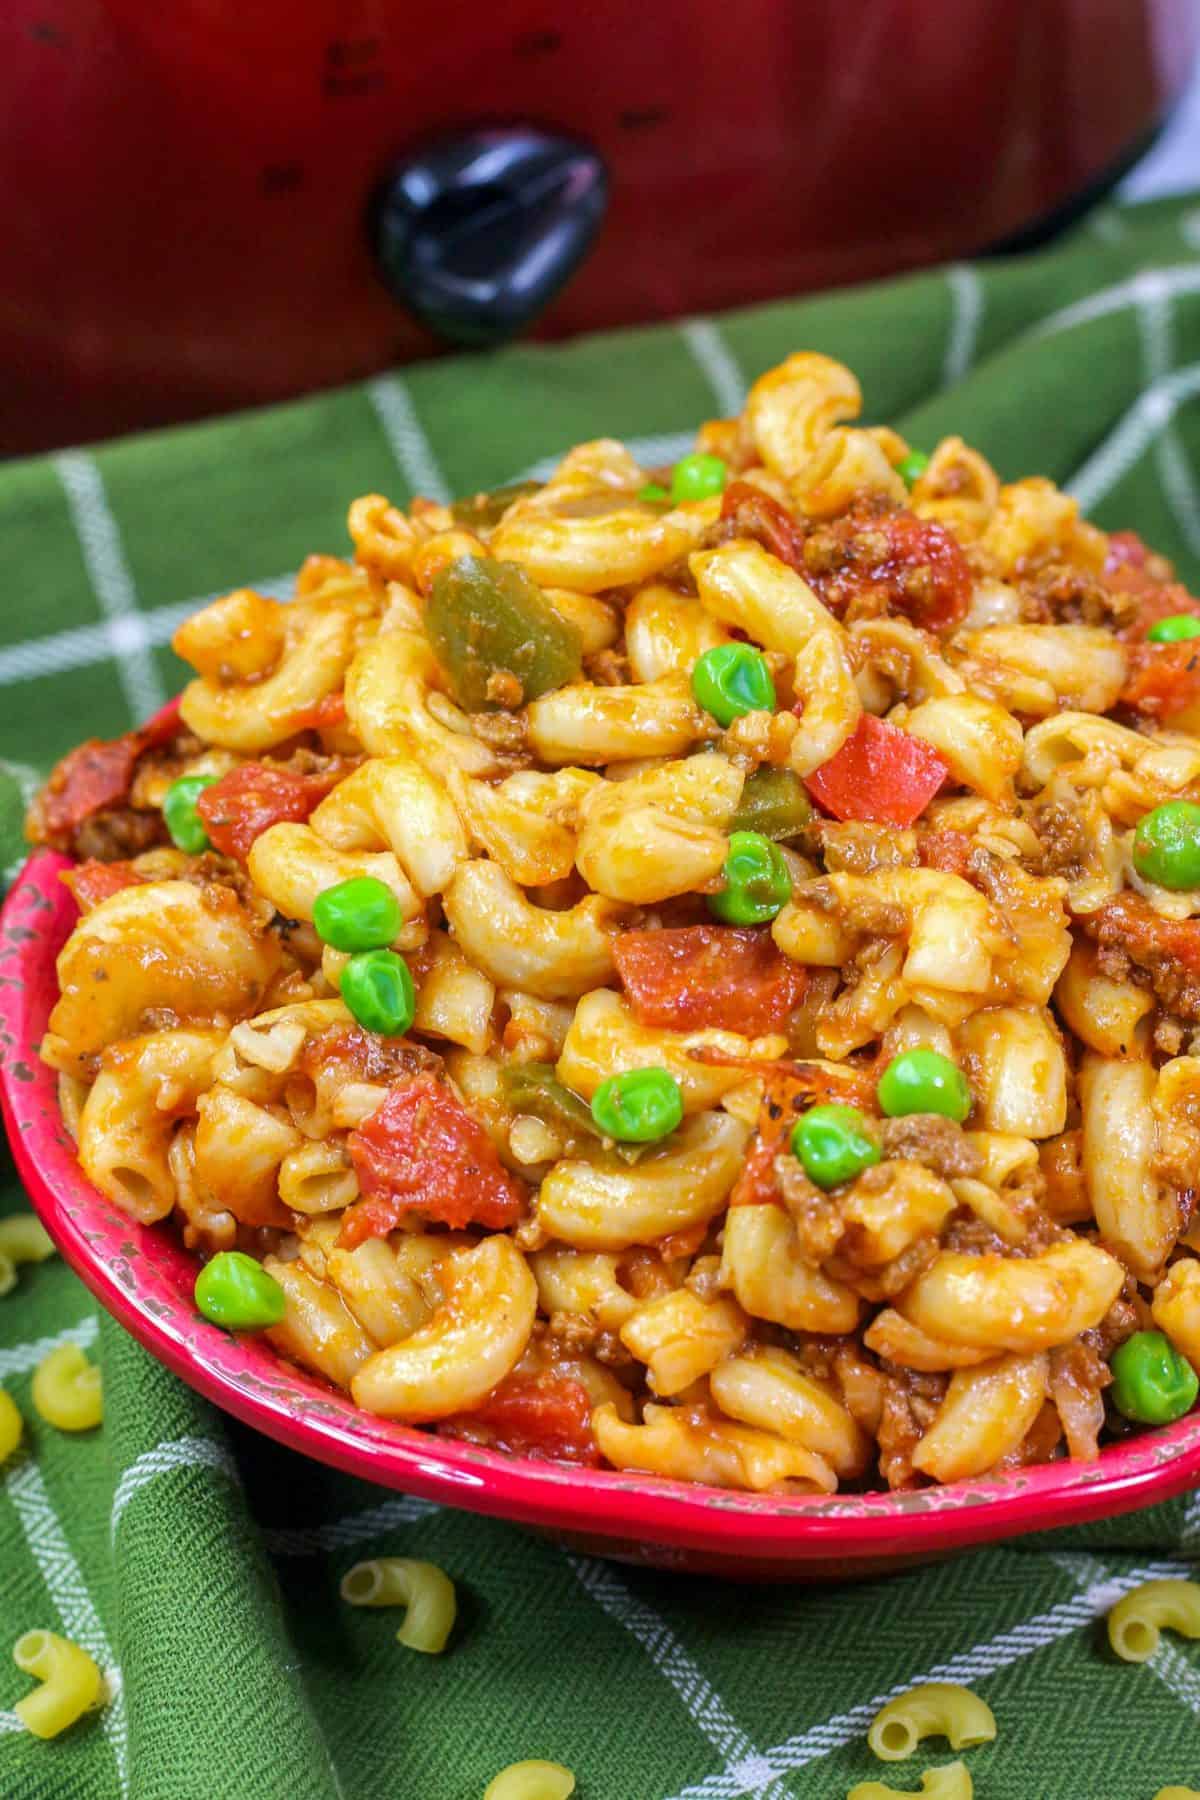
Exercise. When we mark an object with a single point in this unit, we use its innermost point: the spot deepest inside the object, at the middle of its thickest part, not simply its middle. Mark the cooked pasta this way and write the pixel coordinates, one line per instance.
(690, 971)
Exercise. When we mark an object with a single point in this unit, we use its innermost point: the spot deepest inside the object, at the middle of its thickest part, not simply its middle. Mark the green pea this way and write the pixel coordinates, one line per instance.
(833, 1144)
(1174, 629)
(378, 990)
(697, 476)
(1152, 1383)
(179, 813)
(359, 914)
(924, 1081)
(653, 493)
(638, 1106)
(758, 883)
(234, 1290)
(732, 679)
(913, 466)
(1166, 845)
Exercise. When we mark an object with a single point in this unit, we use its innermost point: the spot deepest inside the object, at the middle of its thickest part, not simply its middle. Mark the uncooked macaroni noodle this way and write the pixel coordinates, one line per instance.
(691, 970)
(70, 1682)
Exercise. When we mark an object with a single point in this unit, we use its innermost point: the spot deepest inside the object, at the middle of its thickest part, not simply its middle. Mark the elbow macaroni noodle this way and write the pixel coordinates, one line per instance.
(71, 1683)
(968, 725)
(424, 1591)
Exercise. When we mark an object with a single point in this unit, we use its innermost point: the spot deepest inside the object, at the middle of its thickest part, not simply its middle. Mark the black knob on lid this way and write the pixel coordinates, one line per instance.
(478, 232)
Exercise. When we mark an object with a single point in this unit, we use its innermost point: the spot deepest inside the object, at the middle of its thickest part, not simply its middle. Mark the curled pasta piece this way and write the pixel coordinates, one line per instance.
(474, 1339)
(615, 549)
(555, 955)
(592, 725)
(291, 865)
(792, 408)
(845, 465)
(743, 586)
(980, 740)
(1033, 519)
(239, 1148)
(1103, 1012)
(424, 1591)
(395, 704)
(985, 1415)
(529, 824)
(1136, 1622)
(1176, 1307)
(125, 1128)
(953, 933)
(454, 999)
(761, 1262)
(661, 832)
(252, 715)
(318, 1331)
(1080, 666)
(583, 1282)
(934, 1709)
(24, 1239)
(949, 1781)
(606, 1205)
(604, 1038)
(1018, 1070)
(666, 632)
(71, 1682)
(534, 1780)
(959, 489)
(682, 1338)
(68, 1390)
(897, 1339)
(1135, 1212)
(767, 1388)
(394, 803)
(668, 1442)
(161, 946)
(12, 1427)
(385, 542)
(1023, 1304)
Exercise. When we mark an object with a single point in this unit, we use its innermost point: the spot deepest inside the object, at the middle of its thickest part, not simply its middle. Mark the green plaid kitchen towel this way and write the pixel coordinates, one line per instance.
(199, 1563)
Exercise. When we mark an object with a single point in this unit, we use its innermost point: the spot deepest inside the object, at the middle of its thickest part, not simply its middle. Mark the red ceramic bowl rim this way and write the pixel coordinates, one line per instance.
(143, 1277)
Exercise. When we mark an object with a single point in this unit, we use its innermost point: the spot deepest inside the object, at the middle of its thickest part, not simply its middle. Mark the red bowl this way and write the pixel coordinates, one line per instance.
(144, 1278)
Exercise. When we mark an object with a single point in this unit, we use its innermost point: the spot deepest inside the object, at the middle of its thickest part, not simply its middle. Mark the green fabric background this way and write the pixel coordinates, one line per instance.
(200, 1563)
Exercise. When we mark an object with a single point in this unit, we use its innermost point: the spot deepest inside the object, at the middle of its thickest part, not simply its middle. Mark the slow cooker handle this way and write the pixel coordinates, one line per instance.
(476, 233)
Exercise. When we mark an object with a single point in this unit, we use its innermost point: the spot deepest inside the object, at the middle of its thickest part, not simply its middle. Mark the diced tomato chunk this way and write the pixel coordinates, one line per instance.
(422, 1150)
(1125, 550)
(880, 774)
(88, 780)
(945, 850)
(247, 800)
(92, 881)
(708, 975)
(1128, 922)
(546, 1415)
(323, 716)
(889, 561)
(92, 778)
(747, 512)
(789, 1089)
(1163, 679)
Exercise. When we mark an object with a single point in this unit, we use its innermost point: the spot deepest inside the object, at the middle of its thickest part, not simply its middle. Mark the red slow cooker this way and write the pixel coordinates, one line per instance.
(211, 203)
